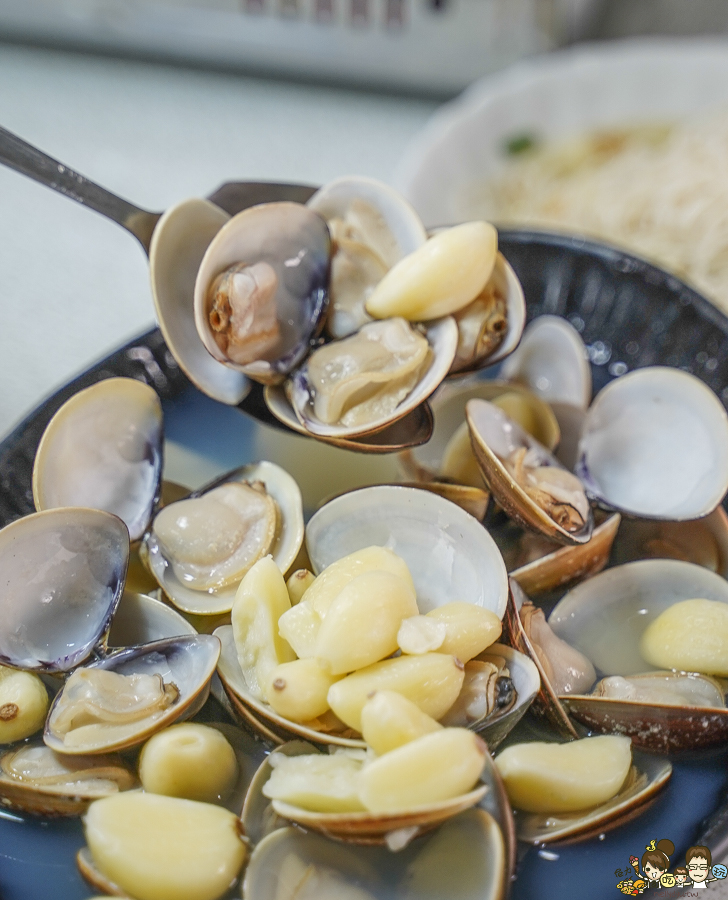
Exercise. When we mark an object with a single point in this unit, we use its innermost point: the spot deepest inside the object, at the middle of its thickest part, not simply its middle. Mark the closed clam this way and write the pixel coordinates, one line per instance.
(199, 549)
(103, 450)
(261, 290)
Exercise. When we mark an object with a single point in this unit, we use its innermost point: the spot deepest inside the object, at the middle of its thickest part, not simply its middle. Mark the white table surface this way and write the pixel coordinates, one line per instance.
(73, 285)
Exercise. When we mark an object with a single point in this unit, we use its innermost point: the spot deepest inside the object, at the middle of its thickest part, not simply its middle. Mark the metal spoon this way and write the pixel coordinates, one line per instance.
(159, 244)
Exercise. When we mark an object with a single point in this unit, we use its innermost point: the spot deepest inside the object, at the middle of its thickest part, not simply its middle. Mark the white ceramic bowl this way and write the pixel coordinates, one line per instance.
(562, 94)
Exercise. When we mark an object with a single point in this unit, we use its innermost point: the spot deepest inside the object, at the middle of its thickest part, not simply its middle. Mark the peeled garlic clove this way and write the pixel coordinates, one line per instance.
(563, 778)
(23, 704)
(432, 768)
(335, 577)
(316, 782)
(300, 625)
(439, 278)
(260, 601)
(691, 636)
(188, 760)
(298, 690)
(164, 848)
(419, 634)
(469, 628)
(432, 681)
(361, 625)
(390, 720)
(298, 583)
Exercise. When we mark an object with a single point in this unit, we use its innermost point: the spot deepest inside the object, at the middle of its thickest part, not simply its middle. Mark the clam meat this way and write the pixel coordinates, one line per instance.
(483, 323)
(555, 490)
(98, 700)
(568, 671)
(487, 689)
(363, 378)
(664, 688)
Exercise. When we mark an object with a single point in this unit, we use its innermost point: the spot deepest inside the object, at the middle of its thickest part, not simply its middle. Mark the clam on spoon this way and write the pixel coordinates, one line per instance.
(175, 242)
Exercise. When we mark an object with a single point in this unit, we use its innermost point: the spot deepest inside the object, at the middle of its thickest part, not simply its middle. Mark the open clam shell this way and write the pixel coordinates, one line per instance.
(259, 715)
(448, 553)
(411, 430)
(287, 542)
(474, 354)
(365, 827)
(655, 445)
(188, 662)
(293, 243)
(448, 407)
(552, 361)
(494, 437)
(36, 780)
(463, 860)
(701, 541)
(646, 779)
(442, 338)
(103, 450)
(179, 242)
(63, 576)
(373, 228)
(568, 565)
(605, 618)
(494, 728)
(141, 619)
(546, 704)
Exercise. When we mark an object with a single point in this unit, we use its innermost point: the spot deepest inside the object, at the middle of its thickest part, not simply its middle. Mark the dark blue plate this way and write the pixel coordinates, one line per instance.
(630, 314)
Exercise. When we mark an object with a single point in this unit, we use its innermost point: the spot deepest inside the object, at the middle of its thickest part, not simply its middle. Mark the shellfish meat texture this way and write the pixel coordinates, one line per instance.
(664, 688)
(363, 378)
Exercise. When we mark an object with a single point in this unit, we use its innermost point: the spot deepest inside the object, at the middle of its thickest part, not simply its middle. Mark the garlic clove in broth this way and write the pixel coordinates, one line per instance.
(563, 778)
(469, 629)
(439, 278)
(389, 720)
(165, 848)
(23, 704)
(298, 689)
(316, 782)
(691, 636)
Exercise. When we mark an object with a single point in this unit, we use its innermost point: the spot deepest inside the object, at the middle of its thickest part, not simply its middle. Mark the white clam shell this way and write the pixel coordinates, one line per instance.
(655, 444)
(188, 661)
(333, 199)
(449, 554)
(103, 450)
(179, 242)
(606, 616)
(62, 577)
(141, 619)
(284, 490)
(552, 361)
(442, 336)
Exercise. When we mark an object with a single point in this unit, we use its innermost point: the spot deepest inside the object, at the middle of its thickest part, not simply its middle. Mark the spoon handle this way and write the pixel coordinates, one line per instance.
(28, 160)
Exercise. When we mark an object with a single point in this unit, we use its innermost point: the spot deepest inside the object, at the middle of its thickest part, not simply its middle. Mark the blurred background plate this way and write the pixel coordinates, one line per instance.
(567, 93)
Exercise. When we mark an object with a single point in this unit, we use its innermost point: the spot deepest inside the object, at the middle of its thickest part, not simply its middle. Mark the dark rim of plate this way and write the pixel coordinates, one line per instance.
(629, 312)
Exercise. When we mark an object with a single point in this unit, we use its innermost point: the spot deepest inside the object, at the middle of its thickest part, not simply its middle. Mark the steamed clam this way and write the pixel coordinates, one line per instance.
(122, 699)
(526, 480)
(261, 289)
(372, 227)
(103, 450)
(200, 548)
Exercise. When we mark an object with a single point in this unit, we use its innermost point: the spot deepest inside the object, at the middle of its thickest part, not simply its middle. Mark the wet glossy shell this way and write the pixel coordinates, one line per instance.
(179, 242)
(287, 542)
(188, 662)
(63, 575)
(103, 450)
(141, 619)
(655, 444)
(484, 421)
(647, 777)
(449, 554)
(552, 361)
(294, 241)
